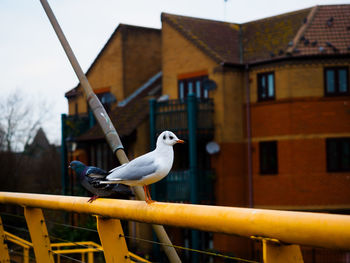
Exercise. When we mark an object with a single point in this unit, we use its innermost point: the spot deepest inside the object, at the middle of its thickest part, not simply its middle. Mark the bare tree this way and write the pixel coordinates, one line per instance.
(20, 117)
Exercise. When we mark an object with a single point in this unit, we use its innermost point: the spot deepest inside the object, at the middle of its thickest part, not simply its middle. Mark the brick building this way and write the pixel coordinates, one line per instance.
(279, 90)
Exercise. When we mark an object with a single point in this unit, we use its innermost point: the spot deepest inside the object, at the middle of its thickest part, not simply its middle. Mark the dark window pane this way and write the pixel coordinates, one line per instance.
(332, 155)
(266, 86)
(330, 81)
(198, 89)
(345, 161)
(268, 157)
(271, 89)
(338, 154)
(190, 87)
(181, 90)
(343, 80)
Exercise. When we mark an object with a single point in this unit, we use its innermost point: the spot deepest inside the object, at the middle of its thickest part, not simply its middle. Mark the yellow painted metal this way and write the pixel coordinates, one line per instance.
(26, 245)
(112, 240)
(278, 253)
(90, 257)
(312, 229)
(25, 255)
(17, 240)
(38, 234)
(4, 253)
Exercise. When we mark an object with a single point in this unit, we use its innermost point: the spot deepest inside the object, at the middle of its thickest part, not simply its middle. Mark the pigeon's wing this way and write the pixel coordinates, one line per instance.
(95, 172)
(134, 170)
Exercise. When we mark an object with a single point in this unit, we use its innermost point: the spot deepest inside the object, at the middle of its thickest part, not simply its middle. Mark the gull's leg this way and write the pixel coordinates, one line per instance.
(149, 196)
(93, 198)
(146, 196)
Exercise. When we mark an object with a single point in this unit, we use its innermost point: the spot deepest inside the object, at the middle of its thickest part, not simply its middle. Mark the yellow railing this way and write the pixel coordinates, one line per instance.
(281, 232)
(66, 248)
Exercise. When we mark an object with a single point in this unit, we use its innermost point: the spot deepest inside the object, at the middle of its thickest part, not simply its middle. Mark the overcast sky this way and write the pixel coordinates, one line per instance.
(31, 58)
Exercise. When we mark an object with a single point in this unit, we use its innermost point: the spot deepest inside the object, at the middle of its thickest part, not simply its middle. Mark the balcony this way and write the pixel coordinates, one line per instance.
(176, 187)
(173, 115)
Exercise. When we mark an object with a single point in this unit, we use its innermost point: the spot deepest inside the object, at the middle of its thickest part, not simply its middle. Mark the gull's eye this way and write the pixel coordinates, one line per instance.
(171, 137)
(164, 137)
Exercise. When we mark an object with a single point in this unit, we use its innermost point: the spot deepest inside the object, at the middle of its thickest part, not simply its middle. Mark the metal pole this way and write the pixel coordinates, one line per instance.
(192, 138)
(105, 123)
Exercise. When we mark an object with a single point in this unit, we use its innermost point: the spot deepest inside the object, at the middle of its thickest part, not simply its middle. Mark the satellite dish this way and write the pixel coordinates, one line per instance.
(209, 84)
(212, 148)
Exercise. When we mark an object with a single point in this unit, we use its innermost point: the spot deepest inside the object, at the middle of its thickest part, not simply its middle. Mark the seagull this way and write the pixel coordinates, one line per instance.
(146, 169)
(86, 176)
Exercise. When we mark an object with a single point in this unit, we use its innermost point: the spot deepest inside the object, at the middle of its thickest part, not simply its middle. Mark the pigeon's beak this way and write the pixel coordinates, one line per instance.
(180, 141)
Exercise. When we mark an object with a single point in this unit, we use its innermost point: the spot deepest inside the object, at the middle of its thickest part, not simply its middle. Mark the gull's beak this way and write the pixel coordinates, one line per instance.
(180, 141)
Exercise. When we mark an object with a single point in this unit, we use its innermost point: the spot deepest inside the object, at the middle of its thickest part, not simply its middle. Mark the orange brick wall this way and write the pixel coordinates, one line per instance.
(300, 120)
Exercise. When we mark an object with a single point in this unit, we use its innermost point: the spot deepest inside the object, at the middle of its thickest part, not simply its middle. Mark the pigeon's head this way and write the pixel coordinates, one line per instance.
(77, 167)
(168, 138)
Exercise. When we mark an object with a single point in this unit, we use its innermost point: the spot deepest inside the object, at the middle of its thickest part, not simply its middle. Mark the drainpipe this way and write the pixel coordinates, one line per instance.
(64, 163)
(249, 139)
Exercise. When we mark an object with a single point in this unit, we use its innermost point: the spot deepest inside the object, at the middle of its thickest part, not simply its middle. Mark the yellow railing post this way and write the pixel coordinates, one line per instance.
(39, 235)
(26, 255)
(112, 240)
(4, 253)
(274, 252)
(90, 257)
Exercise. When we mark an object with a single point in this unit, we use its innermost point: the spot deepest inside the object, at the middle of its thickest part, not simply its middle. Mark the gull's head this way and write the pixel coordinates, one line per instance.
(168, 138)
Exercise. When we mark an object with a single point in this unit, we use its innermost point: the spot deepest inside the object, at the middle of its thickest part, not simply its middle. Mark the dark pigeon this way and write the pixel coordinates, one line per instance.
(87, 175)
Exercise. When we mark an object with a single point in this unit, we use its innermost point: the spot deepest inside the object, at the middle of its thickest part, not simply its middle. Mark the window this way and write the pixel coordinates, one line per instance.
(336, 81)
(338, 154)
(268, 157)
(266, 86)
(107, 99)
(192, 85)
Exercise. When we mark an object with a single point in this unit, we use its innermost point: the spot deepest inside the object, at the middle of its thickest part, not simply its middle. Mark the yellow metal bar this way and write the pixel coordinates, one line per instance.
(4, 253)
(75, 250)
(112, 240)
(312, 229)
(38, 234)
(17, 240)
(25, 255)
(277, 253)
(74, 244)
(90, 257)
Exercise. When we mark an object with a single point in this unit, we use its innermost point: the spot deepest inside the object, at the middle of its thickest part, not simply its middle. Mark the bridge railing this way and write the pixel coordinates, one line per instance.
(281, 232)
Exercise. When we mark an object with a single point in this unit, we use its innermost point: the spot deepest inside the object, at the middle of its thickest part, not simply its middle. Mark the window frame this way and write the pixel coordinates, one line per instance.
(336, 81)
(269, 170)
(259, 88)
(340, 167)
(182, 94)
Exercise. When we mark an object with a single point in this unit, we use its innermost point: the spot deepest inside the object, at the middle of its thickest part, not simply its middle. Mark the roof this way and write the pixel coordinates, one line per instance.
(327, 33)
(313, 31)
(270, 37)
(131, 114)
(121, 28)
(219, 40)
